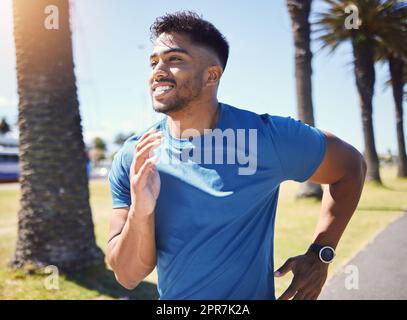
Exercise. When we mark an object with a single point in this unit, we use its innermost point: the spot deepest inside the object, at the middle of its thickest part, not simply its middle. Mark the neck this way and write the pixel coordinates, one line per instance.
(194, 118)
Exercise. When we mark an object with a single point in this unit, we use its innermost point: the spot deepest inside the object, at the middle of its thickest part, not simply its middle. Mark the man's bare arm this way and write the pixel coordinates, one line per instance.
(131, 250)
(343, 169)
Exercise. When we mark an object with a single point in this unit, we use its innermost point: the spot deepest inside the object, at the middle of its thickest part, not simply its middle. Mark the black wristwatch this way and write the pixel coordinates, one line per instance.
(325, 253)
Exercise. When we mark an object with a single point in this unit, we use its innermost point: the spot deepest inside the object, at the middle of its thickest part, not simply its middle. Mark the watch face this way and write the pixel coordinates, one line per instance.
(327, 254)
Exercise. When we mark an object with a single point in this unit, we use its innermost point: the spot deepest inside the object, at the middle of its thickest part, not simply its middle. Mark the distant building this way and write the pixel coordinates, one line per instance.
(9, 167)
(8, 142)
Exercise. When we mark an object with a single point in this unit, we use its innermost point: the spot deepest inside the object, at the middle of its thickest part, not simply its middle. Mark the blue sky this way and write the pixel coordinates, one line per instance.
(112, 46)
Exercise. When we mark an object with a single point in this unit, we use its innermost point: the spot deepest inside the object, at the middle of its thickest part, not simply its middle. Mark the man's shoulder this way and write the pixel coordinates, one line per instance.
(258, 120)
(239, 112)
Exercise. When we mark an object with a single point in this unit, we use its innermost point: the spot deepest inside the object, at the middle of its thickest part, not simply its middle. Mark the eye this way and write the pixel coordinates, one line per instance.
(175, 58)
(153, 64)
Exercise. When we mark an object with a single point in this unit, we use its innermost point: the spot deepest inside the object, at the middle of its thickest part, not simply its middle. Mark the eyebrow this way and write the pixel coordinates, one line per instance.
(172, 50)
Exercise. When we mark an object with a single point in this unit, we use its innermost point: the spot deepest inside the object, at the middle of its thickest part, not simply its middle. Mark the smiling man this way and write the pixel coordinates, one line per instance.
(181, 202)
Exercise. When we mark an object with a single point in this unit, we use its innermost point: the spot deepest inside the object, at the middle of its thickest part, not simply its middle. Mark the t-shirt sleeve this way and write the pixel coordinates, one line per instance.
(119, 181)
(300, 147)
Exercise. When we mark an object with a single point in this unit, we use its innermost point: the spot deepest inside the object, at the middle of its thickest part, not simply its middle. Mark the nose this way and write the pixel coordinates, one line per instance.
(160, 71)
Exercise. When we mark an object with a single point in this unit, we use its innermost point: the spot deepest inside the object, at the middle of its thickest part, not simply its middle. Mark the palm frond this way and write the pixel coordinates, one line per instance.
(383, 22)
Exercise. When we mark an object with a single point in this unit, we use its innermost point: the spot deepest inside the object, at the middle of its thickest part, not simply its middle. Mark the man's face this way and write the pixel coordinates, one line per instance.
(177, 72)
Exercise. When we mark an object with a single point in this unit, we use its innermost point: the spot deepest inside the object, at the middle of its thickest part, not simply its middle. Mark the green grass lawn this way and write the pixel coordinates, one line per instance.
(296, 219)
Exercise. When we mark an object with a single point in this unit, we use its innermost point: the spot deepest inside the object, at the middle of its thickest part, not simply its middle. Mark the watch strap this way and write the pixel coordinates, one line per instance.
(314, 247)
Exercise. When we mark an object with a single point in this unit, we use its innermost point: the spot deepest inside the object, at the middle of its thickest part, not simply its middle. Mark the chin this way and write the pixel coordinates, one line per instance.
(166, 107)
(162, 107)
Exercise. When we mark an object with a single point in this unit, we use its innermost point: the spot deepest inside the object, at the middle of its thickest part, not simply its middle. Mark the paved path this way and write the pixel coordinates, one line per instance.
(382, 268)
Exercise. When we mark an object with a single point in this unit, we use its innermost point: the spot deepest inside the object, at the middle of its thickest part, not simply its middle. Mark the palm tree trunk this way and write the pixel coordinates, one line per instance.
(54, 222)
(299, 12)
(363, 51)
(396, 66)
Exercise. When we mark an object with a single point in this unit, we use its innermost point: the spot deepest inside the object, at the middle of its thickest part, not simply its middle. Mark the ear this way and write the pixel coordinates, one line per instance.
(214, 74)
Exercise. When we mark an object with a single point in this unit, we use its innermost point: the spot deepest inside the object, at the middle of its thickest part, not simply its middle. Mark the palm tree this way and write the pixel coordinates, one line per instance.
(54, 222)
(396, 67)
(395, 55)
(405, 81)
(299, 11)
(379, 21)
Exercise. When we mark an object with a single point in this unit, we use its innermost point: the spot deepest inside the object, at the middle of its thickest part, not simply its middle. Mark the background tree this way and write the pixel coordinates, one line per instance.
(405, 80)
(396, 66)
(4, 126)
(54, 223)
(395, 55)
(299, 11)
(99, 143)
(97, 151)
(376, 21)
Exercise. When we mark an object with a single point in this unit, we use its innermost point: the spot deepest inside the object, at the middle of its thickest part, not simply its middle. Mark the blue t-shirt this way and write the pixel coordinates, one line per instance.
(214, 216)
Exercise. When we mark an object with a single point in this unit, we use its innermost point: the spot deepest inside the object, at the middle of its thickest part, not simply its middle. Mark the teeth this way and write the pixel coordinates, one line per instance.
(163, 88)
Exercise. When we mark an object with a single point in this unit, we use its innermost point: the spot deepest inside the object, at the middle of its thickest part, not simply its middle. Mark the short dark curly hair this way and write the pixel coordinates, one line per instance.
(200, 31)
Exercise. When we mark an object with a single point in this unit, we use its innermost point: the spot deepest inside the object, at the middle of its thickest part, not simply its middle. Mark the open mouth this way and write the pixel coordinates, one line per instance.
(162, 90)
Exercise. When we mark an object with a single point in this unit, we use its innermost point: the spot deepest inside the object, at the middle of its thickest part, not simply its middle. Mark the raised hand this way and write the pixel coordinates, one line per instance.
(309, 277)
(144, 177)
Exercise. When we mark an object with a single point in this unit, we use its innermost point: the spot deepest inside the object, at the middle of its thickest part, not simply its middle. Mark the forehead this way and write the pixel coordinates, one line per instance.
(167, 42)
(171, 40)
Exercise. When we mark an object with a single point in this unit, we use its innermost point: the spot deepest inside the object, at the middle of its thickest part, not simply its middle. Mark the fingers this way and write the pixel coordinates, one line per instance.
(303, 294)
(145, 153)
(308, 279)
(300, 295)
(302, 290)
(312, 295)
(147, 139)
(145, 170)
(147, 143)
(291, 291)
(148, 133)
(285, 268)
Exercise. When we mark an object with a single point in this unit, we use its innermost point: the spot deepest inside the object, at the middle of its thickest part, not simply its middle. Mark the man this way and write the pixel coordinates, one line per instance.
(208, 224)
